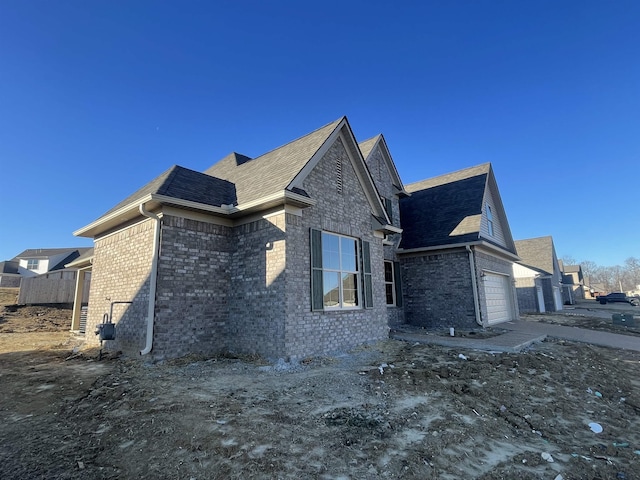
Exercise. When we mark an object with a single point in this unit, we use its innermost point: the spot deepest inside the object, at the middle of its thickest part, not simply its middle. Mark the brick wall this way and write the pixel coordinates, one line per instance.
(257, 303)
(347, 213)
(438, 291)
(192, 292)
(384, 183)
(527, 294)
(121, 266)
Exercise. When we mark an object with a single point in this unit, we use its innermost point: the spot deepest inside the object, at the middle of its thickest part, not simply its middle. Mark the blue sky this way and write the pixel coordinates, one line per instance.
(99, 97)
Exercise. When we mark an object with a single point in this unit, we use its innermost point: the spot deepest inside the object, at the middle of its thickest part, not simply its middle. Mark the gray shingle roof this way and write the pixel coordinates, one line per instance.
(444, 210)
(367, 145)
(272, 172)
(537, 253)
(48, 252)
(9, 266)
(572, 268)
(185, 184)
(450, 178)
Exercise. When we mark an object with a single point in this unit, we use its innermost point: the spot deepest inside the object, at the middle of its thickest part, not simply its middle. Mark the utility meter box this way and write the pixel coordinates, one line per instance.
(106, 331)
(625, 319)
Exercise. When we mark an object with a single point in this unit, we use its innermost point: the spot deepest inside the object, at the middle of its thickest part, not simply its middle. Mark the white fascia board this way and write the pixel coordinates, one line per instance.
(222, 210)
(282, 197)
(496, 249)
(84, 231)
(130, 211)
(81, 264)
(481, 245)
(436, 247)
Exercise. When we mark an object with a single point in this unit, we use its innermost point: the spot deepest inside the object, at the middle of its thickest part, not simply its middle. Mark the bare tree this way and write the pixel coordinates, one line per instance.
(632, 269)
(613, 279)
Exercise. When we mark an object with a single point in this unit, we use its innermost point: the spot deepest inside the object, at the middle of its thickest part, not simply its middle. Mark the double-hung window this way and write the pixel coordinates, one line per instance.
(33, 264)
(389, 283)
(336, 277)
(392, 283)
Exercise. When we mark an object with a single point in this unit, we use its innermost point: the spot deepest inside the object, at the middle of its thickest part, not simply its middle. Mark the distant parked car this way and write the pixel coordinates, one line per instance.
(618, 297)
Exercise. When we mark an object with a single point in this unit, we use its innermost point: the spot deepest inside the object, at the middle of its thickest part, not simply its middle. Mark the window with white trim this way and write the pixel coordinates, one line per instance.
(489, 220)
(337, 275)
(33, 264)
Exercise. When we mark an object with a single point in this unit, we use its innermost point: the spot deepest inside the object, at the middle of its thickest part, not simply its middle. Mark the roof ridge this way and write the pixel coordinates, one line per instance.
(483, 169)
(336, 122)
(166, 184)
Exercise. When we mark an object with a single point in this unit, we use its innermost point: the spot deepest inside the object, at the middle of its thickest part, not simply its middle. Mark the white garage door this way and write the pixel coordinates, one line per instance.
(496, 289)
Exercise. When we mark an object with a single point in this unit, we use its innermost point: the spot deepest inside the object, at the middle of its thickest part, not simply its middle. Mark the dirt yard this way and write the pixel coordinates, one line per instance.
(389, 410)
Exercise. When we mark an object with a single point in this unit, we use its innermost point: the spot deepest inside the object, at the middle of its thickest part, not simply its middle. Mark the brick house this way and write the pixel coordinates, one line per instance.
(457, 252)
(293, 253)
(538, 276)
(280, 255)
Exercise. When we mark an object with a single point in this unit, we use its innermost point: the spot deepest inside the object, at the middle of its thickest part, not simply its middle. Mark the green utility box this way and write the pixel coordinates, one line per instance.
(625, 319)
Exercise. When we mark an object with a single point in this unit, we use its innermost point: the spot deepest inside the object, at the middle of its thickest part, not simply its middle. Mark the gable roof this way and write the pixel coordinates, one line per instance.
(84, 260)
(9, 266)
(274, 171)
(538, 253)
(447, 210)
(572, 268)
(176, 186)
(185, 184)
(45, 252)
(238, 184)
(369, 146)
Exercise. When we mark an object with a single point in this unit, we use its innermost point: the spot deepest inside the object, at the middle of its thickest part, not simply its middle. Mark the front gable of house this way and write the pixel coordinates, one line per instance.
(540, 253)
(494, 226)
(384, 174)
(339, 152)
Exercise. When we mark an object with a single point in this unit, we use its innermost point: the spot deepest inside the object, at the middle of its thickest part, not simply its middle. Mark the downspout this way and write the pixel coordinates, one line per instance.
(474, 285)
(152, 278)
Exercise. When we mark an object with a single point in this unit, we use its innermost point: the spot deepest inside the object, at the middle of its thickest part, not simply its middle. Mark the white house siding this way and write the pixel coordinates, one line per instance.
(498, 229)
(43, 267)
(347, 213)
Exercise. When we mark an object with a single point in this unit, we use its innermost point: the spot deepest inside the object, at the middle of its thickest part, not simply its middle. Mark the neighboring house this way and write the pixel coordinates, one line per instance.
(44, 276)
(635, 292)
(457, 252)
(538, 276)
(10, 274)
(297, 252)
(573, 280)
(595, 289)
(36, 261)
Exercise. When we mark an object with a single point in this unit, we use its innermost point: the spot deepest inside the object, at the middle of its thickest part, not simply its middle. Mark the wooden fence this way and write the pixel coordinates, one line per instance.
(55, 287)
